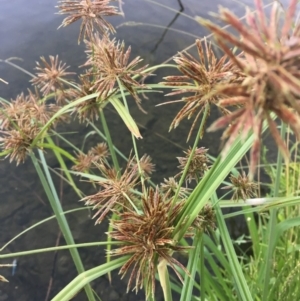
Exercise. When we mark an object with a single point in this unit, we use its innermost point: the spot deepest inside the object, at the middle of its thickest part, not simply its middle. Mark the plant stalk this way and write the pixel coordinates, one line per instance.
(272, 222)
(50, 190)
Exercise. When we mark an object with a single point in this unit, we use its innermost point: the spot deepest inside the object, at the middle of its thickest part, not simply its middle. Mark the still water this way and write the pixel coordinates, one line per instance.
(28, 30)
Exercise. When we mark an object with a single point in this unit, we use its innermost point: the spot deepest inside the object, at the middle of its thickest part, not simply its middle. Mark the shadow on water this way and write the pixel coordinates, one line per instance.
(28, 31)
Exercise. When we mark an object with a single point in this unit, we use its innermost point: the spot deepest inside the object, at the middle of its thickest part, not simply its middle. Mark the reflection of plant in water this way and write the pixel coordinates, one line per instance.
(150, 223)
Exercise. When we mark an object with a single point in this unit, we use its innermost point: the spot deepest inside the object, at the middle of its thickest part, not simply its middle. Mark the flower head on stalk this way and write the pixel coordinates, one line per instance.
(199, 79)
(147, 167)
(170, 187)
(95, 156)
(109, 63)
(270, 60)
(116, 190)
(91, 12)
(49, 74)
(88, 110)
(243, 188)
(198, 165)
(147, 238)
(21, 121)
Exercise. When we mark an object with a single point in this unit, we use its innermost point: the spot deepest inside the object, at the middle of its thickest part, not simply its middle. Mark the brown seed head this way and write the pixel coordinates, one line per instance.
(146, 165)
(206, 219)
(91, 12)
(147, 238)
(198, 165)
(88, 110)
(243, 187)
(21, 121)
(200, 78)
(170, 187)
(116, 190)
(95, 157)
(110, 62)
(48, 75)
(270, 61)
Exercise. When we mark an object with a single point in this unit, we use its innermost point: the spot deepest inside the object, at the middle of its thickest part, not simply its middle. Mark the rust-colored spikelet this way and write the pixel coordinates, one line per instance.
(147, 167)
(243, 188)
(147, 238)
(91, 12)
(48, 75)
(95, 157)
(206, 219)
(109, 63)
(270, 61)
(198, 164)
(90, 109)
(199, 79)
(170, 187)
(21, 122)
(116, 190)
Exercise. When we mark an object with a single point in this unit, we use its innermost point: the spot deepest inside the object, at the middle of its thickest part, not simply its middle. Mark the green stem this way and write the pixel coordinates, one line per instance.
(194, 257)
(238, 275)
(53, 198)
(202, 269)
(133, 139)
(192, 153)
(109, 142)
(272, 222)
(37, 251)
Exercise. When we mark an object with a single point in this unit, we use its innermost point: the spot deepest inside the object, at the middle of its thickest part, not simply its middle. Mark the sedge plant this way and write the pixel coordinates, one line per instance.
(254, 84)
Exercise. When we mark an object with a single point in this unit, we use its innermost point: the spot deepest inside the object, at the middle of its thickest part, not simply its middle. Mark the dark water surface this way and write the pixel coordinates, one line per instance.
(28, 30)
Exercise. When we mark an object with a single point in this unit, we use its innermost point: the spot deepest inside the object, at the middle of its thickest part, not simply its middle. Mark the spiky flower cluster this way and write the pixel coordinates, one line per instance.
(170, 187)
(200, 79)
(146, 165)
(198, 163)
(242, 187)
(262, 80)
(21, 122)
(147, 237)
(270, 61)
(206, 219)
(109, 64)
(91, 12)
(95, 157)
(90, 109)
(48, 76)
(117, 189)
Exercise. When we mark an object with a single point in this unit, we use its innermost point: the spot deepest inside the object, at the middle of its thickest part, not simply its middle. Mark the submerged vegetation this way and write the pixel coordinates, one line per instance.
(255, 85)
